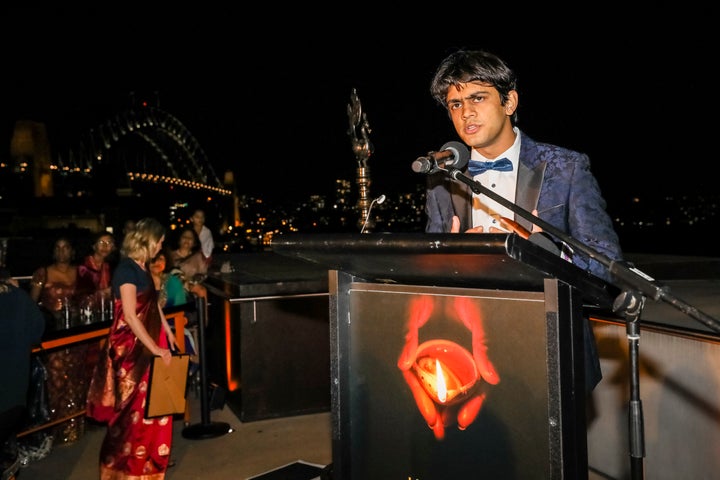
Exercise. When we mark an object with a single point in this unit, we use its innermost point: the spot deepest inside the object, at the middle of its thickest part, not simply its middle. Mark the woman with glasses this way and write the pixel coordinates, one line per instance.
(95, 272)
(93, 283)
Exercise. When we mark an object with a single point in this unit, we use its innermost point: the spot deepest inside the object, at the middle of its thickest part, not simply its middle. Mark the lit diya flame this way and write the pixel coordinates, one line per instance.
(440, 383)
(446, 371)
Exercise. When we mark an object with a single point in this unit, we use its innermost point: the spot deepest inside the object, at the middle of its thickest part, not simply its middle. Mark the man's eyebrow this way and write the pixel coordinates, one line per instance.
(475, 94)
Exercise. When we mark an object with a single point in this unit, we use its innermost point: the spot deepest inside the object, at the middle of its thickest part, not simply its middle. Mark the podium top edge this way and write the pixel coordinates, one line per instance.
(489, 260)
(489, 243)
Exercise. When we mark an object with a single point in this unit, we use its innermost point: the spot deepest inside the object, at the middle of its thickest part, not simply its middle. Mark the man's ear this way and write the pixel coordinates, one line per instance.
(511, 103)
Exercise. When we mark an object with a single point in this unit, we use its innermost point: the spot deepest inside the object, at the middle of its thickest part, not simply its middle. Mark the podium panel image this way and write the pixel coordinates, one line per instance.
(450, 383)
(451, 362)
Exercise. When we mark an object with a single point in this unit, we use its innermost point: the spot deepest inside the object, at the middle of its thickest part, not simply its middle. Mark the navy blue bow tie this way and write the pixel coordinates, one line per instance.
(476, 167)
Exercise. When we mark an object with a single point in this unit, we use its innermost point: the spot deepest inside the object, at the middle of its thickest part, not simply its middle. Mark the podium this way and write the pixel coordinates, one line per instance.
(454, 356)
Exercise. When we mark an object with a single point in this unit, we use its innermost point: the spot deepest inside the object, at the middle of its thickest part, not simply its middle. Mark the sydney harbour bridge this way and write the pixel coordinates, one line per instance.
(140, 160)
(150, 146)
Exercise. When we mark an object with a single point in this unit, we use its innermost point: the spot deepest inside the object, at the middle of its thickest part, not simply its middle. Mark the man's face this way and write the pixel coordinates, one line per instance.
(478, 114)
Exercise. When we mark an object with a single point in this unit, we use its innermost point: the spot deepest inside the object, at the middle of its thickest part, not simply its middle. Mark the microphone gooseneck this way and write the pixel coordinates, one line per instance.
(379, 200)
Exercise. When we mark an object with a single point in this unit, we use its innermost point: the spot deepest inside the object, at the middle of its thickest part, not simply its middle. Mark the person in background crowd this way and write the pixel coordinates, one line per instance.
(172, 293)
(95, 271)
(479, 92)
(22, 325)
(93, 291)
(134, 447)
(128, 226)
(170, 287)
(205, 236)
(54, 288)
(189, 259)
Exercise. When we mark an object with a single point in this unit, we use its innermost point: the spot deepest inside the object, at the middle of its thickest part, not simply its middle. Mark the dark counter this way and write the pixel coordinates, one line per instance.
(264, 274)
(267, 341)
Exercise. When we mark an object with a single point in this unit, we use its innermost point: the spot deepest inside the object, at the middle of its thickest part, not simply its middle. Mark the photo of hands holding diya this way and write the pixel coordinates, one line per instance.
(444, 376)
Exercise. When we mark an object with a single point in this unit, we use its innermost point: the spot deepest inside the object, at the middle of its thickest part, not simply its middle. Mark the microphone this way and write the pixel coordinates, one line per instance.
(377, 200)
(452, 154)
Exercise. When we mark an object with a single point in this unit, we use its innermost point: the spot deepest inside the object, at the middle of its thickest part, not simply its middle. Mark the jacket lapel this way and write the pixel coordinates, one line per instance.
(527, 193)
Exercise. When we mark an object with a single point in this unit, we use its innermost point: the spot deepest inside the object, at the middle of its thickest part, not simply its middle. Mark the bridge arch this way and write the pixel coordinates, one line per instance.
(140, 145)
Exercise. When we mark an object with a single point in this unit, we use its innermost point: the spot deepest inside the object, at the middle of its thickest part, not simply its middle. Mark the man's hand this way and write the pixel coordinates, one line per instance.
(507, 224)
(455, 228)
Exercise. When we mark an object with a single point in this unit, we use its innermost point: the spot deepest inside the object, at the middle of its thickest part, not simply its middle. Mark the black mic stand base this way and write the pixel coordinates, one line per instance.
(200, 431)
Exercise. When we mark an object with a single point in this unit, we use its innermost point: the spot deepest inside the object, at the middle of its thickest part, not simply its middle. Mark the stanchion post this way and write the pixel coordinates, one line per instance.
(205, 429)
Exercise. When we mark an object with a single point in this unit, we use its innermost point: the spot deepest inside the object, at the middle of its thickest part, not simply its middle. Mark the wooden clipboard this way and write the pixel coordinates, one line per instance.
(167, 386)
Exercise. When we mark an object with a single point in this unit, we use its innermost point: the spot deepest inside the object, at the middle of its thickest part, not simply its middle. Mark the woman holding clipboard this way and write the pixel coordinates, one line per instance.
(134, 446)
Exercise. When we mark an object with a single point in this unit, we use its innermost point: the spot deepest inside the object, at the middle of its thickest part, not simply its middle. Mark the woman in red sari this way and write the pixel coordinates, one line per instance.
(134, 446)
(94, 273)
(54, 288)
(93, 284)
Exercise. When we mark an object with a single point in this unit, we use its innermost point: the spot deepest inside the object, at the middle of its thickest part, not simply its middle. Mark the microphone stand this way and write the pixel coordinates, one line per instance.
(631, 303)
(634, 284)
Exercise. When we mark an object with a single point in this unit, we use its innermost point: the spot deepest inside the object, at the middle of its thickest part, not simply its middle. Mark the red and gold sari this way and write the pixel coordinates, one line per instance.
(93, 277)
(67, 372)
(134, 447)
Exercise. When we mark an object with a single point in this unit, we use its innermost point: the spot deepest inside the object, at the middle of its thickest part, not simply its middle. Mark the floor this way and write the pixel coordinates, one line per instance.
(249, 449)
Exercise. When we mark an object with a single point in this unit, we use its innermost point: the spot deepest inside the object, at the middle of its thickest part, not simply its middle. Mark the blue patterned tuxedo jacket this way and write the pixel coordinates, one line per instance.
(555, 181)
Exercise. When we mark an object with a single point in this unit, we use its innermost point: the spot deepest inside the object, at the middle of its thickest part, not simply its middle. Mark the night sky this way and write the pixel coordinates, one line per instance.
(266, 92)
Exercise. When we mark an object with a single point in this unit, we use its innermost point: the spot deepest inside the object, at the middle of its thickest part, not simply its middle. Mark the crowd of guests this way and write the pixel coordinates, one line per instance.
(69, 291)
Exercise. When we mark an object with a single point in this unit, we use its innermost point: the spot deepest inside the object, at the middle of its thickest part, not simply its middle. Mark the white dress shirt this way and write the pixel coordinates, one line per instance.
(485, 211)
